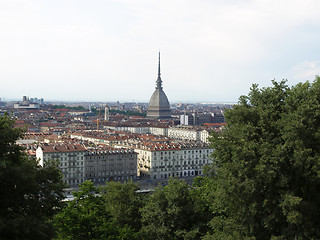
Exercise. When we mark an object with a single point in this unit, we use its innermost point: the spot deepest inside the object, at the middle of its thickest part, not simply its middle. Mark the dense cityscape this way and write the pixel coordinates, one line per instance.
(103, 138)
(161, 170)
(116, 141)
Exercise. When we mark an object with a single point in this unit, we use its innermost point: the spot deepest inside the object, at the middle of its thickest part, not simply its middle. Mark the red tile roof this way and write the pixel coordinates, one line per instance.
(52, 148)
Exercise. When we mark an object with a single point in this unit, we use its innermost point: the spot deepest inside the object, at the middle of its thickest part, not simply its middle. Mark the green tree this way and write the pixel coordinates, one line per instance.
(170, 213)
(123, 204)
(29, 194)
(85, 216)
(202, 194)
(268, 165)
(111, 213)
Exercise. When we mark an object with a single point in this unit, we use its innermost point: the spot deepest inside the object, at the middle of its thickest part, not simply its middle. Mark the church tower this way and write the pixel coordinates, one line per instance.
(159, 106)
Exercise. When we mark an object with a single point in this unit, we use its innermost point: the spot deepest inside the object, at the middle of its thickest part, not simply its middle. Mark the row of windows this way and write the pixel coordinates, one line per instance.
(178, 174)
(70, 164)
(110, 173)
(107, 168)
(184, 152)
(110, 161)
(62, 157)
(173, 158)
(72, 169)
(108, 157)
(175, 168)
(119, 178)
(72, 175)
(182, 162)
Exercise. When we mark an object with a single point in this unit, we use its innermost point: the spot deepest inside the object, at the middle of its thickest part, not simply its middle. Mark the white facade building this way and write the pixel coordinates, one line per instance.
(165, 163)
(159, 131)
(204, 136)
(71, 160)
(184, 133)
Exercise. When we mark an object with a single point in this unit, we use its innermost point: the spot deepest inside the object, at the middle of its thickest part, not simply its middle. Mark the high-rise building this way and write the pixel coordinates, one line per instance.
(159, 106)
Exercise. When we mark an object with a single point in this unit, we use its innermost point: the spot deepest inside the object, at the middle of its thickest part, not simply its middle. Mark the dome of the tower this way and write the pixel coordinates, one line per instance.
(159, 106)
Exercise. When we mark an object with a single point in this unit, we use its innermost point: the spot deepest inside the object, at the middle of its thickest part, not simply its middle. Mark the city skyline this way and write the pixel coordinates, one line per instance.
(107, 50)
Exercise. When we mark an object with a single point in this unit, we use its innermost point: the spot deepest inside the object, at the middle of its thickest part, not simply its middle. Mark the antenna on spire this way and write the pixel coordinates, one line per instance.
(159, 81)
(159, 65)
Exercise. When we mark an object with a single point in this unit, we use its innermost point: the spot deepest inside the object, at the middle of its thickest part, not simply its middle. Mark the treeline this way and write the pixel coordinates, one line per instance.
(68, 107)
(129, 113)
(114, 111)
(119, 211)
(101, 111)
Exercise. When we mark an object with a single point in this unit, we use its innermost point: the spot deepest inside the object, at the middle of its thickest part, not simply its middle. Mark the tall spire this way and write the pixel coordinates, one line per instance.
(159, 81)
(159, 66)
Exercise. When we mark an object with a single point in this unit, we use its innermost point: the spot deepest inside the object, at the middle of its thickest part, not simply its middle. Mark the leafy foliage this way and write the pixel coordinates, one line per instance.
(172, 213)
(268, 177)
(30, 194)
(84, 217)
(68, 107)
(123, 203)
(96, 214)
(114, 111)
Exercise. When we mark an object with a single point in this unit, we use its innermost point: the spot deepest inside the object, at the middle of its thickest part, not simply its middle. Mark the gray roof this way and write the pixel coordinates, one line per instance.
(159, 100)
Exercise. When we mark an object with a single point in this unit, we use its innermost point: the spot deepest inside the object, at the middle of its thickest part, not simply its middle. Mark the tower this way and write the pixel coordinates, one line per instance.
(159, 106)
(106, 113)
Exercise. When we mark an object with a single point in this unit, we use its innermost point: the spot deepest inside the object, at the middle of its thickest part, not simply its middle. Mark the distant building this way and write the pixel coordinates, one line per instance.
(159, 106)
(2, 104)
(218, 117)
(194, 119)
(26, 104)
(187, 119)
(184, 133)
(202, 118)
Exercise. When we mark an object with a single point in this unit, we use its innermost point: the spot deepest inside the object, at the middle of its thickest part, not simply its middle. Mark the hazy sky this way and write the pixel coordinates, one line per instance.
(107, 50)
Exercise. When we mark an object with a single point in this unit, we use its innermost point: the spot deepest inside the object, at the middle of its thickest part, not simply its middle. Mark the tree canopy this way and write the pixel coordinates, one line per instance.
(176, 211)
(268, 165)
(84, 217)
(111, 212)
(30, 194)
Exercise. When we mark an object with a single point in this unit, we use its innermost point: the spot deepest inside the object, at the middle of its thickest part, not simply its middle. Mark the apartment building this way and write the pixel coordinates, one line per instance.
(71, 159)
(163, 158)
(111, 165)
